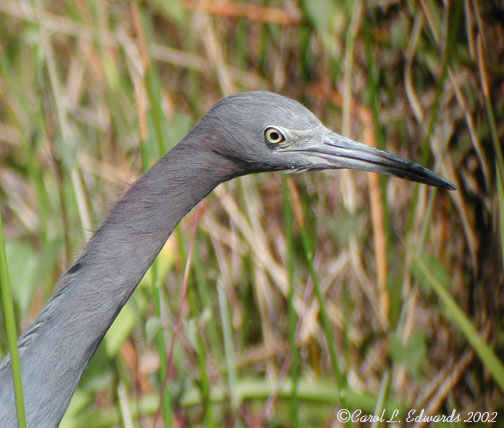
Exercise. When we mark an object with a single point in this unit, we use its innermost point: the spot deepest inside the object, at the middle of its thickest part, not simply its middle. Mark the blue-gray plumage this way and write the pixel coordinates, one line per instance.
(241, 134)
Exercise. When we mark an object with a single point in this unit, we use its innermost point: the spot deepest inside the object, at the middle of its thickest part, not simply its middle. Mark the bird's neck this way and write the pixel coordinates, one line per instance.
(57, 347)
(124, 247)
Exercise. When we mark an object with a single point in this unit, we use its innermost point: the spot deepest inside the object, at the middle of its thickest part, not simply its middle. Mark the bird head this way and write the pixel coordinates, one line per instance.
(263, 131)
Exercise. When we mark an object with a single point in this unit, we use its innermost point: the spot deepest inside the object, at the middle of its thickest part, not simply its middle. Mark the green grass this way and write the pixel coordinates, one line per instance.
(10, 327)
(306, 293)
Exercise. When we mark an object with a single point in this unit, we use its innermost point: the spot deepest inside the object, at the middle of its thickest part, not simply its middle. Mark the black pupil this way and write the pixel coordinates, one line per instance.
(274, 135)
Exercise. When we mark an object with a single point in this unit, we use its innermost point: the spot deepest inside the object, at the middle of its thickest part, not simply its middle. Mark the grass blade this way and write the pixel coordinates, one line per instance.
(294, 353)
(10, 325)
(455, 314)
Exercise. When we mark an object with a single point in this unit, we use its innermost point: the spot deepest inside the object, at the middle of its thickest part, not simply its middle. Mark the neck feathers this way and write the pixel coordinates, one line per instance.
(57, 347)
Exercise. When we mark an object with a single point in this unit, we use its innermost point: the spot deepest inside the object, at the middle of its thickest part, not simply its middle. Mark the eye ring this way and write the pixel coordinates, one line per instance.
(273, 135)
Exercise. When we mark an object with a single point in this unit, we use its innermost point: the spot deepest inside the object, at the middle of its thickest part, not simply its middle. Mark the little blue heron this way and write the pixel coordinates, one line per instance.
(242, 134)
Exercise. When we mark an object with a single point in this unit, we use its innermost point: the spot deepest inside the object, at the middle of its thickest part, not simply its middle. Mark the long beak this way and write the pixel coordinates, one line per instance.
(341, 152)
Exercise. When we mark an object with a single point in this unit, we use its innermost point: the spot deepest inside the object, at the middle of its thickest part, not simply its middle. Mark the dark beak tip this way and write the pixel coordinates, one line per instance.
(452, 187)
(447, 185)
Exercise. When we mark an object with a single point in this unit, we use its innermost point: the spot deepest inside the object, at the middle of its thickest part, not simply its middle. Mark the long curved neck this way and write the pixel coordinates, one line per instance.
(57, 347)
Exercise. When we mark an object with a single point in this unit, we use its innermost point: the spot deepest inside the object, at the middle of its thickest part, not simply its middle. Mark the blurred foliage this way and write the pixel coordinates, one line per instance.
(92, 93)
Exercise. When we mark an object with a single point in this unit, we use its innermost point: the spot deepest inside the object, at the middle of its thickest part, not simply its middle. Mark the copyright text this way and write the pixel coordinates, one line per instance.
(414, 416)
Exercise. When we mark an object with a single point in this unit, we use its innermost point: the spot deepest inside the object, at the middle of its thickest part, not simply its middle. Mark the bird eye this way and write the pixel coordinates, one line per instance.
(273, 135)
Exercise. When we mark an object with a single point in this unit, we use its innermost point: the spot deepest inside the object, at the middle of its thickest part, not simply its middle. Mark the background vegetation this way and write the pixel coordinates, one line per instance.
(306, 293)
